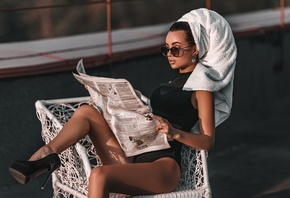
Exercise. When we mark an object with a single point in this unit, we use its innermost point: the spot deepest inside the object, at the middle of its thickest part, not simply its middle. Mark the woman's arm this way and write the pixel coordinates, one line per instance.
(204, 101)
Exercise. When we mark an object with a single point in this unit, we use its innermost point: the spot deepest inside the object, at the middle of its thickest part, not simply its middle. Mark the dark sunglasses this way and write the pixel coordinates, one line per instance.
(175, 51)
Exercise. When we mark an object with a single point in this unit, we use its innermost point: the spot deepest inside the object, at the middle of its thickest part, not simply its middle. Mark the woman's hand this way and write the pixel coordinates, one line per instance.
(164, 127)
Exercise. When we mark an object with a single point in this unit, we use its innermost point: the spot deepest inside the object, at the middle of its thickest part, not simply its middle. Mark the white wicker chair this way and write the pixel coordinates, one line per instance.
(71, 179)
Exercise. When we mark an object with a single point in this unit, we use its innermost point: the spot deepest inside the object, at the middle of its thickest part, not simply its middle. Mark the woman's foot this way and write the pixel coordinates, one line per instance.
(25, 171)
(41, 153)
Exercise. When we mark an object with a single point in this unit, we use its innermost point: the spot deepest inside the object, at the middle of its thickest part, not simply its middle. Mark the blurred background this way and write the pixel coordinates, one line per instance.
(41, 42)
(32, 19)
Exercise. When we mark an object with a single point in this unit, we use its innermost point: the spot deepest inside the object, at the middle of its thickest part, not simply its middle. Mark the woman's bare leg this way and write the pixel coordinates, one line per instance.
(117, 175)
(160, 176)
(86, 121)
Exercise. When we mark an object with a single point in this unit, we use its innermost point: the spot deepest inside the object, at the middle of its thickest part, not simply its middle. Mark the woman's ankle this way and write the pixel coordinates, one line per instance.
(41, 153)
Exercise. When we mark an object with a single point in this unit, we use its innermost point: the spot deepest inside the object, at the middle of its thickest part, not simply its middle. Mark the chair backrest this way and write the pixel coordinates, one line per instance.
(78, 160)
(193, 169)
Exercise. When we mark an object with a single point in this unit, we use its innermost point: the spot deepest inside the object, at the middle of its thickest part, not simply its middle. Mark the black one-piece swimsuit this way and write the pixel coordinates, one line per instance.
(173, 104)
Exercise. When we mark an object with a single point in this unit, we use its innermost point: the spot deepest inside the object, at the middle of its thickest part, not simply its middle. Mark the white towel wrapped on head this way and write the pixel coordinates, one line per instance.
(217, 59)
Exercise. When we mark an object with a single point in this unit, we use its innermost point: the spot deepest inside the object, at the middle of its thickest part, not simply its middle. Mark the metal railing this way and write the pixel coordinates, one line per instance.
(207, 3)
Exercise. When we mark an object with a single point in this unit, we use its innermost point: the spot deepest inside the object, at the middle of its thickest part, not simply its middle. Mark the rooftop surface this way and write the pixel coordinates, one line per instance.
(251, 157)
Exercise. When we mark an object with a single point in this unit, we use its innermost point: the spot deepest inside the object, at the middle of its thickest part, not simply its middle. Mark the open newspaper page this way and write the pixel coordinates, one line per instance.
(126, 114)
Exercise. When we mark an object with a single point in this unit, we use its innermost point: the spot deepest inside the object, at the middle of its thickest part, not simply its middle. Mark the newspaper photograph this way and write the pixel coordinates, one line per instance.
(128, 116)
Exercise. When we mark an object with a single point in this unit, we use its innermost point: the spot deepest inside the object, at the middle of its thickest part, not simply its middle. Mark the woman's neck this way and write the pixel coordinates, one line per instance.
(188, 69)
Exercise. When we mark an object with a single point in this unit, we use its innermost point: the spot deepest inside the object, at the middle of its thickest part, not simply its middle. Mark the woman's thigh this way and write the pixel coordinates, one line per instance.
(160, 176)
(101, 135)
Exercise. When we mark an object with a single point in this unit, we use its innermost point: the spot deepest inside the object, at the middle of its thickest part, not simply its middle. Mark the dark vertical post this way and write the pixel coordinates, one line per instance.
(282, 13)
(109, 28)
(208, 4)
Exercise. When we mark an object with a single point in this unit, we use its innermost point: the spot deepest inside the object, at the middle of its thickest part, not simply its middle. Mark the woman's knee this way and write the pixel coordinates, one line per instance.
(99, 175)
(171, 174)
(86, 111)
(98, 185)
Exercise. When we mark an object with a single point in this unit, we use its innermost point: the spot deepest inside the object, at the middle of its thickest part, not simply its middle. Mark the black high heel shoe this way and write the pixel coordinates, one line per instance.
(25, 171)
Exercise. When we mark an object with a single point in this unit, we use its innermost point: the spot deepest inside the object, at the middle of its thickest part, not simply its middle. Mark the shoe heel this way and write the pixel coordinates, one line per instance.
(46, 181)
(53, 167)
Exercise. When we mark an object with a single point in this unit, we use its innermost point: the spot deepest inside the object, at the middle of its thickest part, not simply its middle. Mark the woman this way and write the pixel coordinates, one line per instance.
(177, 112)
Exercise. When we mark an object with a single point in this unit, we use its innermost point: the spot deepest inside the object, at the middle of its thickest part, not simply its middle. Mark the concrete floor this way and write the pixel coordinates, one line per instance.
(251, 157)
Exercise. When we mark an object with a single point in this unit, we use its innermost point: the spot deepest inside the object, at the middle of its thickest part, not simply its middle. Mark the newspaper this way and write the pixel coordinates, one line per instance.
(127, 115)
